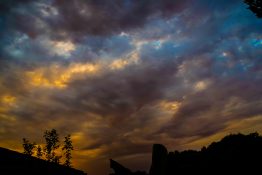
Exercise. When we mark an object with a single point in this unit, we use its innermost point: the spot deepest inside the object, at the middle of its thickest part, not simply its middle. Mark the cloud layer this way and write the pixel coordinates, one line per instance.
(122, 75)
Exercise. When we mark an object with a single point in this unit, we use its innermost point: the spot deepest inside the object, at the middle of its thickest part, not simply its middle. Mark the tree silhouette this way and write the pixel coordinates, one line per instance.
(28, 147)
(56, 159)
(52, 144)
(255, 6)
(39, 152)
(68, 147)
(51, 148)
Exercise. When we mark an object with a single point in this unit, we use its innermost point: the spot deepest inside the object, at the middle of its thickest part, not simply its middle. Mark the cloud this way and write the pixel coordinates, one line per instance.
(209, 111)
(78, 18)
(122, 75)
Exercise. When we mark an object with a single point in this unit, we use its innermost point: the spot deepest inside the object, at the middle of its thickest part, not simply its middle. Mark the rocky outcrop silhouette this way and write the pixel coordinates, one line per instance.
(159, 160)
(119, 169)
(234, 154)
(14, 163)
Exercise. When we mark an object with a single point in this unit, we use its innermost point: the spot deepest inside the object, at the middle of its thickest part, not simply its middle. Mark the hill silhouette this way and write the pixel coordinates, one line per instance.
(14, 163)
(234, 154)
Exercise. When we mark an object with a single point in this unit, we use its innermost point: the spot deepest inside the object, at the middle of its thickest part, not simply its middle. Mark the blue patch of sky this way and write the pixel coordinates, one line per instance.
(13, 44)
(109, 47)
(256, 42)
(167, 50)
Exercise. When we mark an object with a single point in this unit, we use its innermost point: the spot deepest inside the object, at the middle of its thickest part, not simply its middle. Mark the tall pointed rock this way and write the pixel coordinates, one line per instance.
(159, 160)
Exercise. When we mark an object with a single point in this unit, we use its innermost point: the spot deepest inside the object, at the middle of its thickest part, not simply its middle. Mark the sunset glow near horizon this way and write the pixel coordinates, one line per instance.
(121, 75)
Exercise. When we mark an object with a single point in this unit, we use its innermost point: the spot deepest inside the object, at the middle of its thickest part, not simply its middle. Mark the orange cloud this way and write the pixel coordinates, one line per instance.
(59, 76)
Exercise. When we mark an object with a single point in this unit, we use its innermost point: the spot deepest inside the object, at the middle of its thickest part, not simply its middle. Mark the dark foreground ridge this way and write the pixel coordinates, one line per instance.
(234, 154)
(14, 163)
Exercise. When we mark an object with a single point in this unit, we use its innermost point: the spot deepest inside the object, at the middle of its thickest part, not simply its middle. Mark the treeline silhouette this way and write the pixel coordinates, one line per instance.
(234, 154)
(50, 150)
(255, 6)
(46, 161)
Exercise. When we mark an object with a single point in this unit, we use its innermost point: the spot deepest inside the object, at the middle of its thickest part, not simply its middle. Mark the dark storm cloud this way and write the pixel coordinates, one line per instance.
(7, 5)
(14, 17)
(78, 18)
(123, 92)
(241, 99)
(197, 70)
(106, 17)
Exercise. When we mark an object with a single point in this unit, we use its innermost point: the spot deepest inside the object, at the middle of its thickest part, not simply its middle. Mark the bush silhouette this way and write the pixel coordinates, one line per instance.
(28, 147)
(255, 6)
(51, 147)
(68, 147)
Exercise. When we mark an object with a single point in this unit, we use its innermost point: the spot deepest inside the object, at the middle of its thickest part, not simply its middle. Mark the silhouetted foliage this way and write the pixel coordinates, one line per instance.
(51, 148)
(52, 144)
(68, 147)
(56, 158)
(39, 152)
(255, 6)
(234, 154)
(28, 147)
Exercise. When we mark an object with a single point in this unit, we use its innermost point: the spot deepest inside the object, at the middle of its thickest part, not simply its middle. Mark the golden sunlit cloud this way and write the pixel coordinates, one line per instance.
(246, 126)
(171, 106)
(122, 63)
(63, 48)
(165, 113)
(78, 138)
(201, 85)
(5, 100)
(92, 153)
(7, 118)
(119, 64)
(59, 76)
(37, 79)
(8, 100)
(168, 108)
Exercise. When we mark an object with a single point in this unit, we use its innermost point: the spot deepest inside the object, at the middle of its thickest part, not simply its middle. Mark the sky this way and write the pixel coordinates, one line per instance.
(121, 75)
